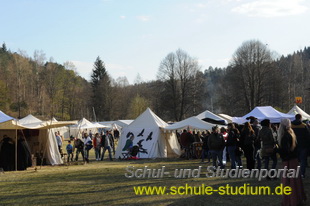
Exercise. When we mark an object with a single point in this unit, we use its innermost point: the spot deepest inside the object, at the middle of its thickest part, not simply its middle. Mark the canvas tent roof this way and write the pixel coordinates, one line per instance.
(31, 122)
(30, 119)
(45, 136)
(207, 115)
(297, 110)
(85, 124)
(261, 113)
(123, 123)
(190, 123)
(119, 124)
(227, 117)
(148, 119)
(4, 117)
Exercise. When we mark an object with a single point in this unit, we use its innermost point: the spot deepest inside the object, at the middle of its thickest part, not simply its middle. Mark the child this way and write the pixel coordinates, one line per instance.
(69, 149)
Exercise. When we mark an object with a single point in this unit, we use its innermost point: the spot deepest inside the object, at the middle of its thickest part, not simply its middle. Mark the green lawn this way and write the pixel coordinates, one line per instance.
(104, 183)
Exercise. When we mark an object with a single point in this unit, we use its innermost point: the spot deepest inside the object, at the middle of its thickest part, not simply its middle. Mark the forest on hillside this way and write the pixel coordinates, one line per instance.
(255, 76)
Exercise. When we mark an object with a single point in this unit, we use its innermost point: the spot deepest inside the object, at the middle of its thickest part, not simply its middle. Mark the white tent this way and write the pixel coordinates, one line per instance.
(119, 124)
(211, 117)
(297, 110)
(261, 113)
(227, 117)
(190, 123)
(39, 136)
(123, 123)
(45, 141)
(4, 117)
(84, 124)
(147, 131)
(64, 131)
(31, 122)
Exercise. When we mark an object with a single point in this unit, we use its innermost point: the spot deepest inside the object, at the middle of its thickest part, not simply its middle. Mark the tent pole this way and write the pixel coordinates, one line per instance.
(16, 147)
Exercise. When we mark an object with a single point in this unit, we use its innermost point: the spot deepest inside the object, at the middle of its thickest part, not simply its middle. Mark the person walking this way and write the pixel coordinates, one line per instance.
(288, 150)
(248, 136)
(87, 146)
(78, 145)
(97, 146)
(231, 145)
(216, 144)
(225, 136)
(302, 134)
(205, 148)
(257, 144)
(59, 142)
(107, 144)
(268, 144)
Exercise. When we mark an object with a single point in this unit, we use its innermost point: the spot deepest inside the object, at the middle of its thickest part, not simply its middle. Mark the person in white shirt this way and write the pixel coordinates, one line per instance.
(59, 142)
(87, 146)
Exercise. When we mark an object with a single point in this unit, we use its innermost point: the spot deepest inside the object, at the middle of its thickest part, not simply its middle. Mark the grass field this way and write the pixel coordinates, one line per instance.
(104, 183)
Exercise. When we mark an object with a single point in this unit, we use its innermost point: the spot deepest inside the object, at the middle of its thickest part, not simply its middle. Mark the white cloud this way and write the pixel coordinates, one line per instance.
(143, 18)
(201, 5)
(147, 36)
(271, 8)
(122, 17)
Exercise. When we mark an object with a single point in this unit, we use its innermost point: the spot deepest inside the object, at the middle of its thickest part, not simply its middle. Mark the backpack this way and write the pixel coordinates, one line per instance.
(89, 145)
(79, 144)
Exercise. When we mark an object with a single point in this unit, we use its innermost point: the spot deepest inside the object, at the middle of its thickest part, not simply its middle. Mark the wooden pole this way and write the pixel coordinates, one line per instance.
(16, 145)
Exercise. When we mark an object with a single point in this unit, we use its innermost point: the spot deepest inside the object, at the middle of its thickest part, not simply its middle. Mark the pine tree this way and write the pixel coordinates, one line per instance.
(100, 84)
(99, 72)
(3, 48)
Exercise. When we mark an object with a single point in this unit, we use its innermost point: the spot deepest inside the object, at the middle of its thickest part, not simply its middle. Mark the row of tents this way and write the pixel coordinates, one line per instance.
(155, 136)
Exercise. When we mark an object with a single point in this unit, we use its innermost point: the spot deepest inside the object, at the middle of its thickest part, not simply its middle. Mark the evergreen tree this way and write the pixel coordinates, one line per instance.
(100, 85)
(3, 48)
(99, 72)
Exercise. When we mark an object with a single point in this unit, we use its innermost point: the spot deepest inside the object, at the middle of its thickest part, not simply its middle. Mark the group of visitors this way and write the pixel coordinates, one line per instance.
(262, 143)
(100, 142)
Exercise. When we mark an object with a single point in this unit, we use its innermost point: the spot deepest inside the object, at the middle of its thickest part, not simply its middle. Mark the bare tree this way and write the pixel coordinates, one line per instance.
(251, 64)
(178, 70)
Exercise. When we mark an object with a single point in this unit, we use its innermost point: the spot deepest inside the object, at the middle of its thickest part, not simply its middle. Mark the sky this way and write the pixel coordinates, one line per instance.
(133, 36)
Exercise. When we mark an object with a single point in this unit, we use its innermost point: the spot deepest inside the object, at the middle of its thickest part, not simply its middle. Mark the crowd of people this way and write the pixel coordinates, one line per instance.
(259, 143)
(100, 142)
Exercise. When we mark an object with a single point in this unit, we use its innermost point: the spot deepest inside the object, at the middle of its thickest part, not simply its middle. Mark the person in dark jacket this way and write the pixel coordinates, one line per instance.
(7, 154)
(186, 140)
(257, 144)
(288, 153)
(302, 134)
(78, 146)
(268, 144)
(107, 144)
(248, 135)
(216, 144)
(205, 148)
(231, 145)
